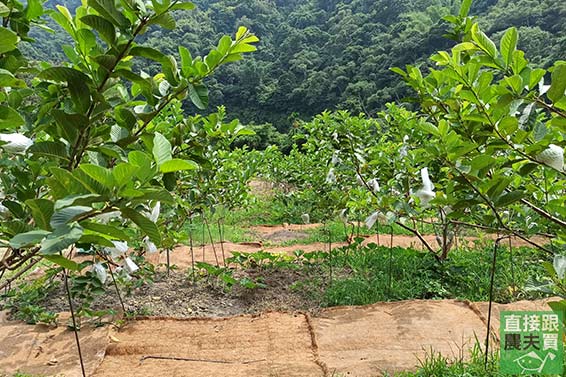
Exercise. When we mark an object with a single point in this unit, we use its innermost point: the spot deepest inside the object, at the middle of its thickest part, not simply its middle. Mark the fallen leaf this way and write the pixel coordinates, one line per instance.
(52, 362)
(114, 339)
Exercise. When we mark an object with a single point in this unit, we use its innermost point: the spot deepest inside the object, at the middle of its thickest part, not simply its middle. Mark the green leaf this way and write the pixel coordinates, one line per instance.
(34, 9)
(526, 169)
(166, 20)
(8, 40)
(67, 214)
(107, 62)
(149, 53)
(213, 59)
(559, 306)
(60, 239)
(28, 239)
(465, 8)
(51, 149)
(125, 118)
(508, 45)
(86, 40)
(94, 239)
(76, 200)
(4, 10)
(515, 82)
(186, 60)
(496, 186)
(63, 21)
(123, 173)
(170, 181)
(483, 41)
(7, 79)
(224, 44)
(104, 27)
(159, 195)
(90, 183)
(242, 48)
(107, 9)
(131, 76)
(198, 95)
(99, 174)
(509, 198)
(80, 95)
(183, 6)
(558, 83)
(519, 62)
(429, 128)
(177, 165)
(242, 30)
(15, 208)
(232, 58)
(161, 149)
(535, 77)
(482, 161)
(508, 125)
(145, 224)
(143, 162)
(9, 118)
(107, 230)
(63, 74)
(68, 180)
(65, 12)
(41, 211)
(70, 124)
(63, 262)
(559, 122)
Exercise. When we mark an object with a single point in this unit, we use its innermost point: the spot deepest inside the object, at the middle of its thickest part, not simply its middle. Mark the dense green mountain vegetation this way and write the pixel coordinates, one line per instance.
(316, 55)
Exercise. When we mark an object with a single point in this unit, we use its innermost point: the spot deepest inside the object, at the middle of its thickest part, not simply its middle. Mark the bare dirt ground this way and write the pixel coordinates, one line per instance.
(183, 258)
(177, 295)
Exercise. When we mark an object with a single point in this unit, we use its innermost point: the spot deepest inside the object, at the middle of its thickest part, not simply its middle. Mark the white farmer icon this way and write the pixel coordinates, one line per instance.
(532, 362)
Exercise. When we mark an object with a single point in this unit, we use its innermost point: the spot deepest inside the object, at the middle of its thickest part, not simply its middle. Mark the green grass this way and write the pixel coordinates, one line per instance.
(24, 298)
(372, 274)
(436, 365)
(200, 233)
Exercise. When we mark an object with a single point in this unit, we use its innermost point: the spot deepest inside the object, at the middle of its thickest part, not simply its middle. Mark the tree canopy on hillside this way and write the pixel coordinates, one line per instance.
(316, 55)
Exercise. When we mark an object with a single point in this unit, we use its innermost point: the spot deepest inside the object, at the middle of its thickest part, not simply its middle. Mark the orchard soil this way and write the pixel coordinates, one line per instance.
(177, 294)
(187, 328)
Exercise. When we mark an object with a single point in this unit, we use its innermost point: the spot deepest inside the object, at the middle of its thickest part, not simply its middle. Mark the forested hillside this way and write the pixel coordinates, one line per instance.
(326, 54)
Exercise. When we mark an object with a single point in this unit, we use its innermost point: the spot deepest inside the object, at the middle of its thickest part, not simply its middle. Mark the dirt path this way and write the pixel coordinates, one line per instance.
(213, 253)
(43, 350)
(353, 341)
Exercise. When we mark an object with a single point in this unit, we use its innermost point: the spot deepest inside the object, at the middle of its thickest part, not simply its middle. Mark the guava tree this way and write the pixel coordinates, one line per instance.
(220, 182)
(495, 129)
(81, 151)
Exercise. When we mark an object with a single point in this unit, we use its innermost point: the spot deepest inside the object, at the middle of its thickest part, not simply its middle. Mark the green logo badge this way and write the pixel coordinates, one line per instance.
(531, 343)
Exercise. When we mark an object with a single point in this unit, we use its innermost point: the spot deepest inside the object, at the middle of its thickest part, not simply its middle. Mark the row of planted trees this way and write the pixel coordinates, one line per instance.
(480, 146)
(98, 158)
